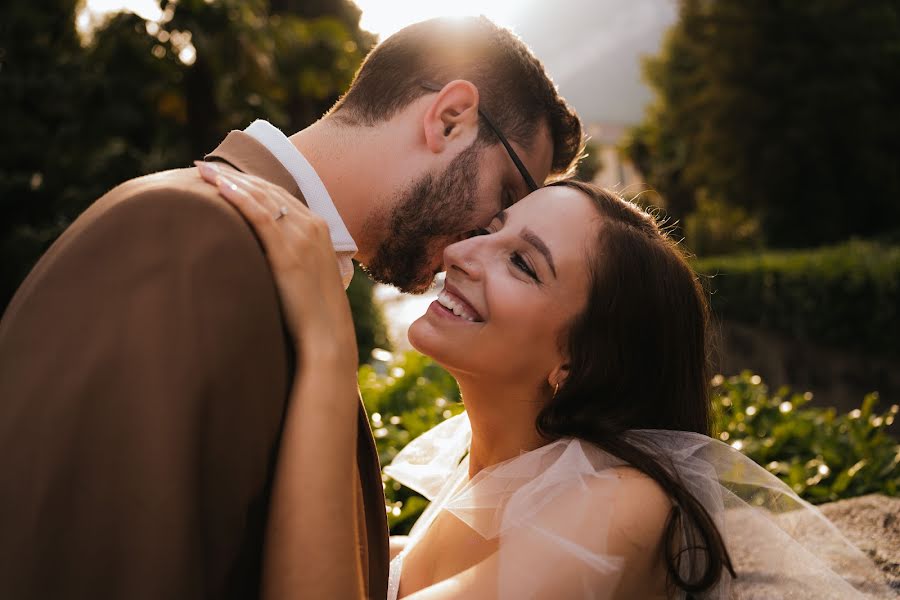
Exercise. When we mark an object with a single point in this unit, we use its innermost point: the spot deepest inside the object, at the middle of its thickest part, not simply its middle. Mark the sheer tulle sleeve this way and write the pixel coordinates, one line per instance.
(568, 522)
(428, 462)
(575, 522)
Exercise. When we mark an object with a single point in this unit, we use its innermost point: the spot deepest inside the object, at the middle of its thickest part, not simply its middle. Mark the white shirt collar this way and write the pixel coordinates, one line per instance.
(317, 197)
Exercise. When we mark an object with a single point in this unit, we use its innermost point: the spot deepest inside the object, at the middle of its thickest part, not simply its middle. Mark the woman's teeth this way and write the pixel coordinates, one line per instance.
(456, 307)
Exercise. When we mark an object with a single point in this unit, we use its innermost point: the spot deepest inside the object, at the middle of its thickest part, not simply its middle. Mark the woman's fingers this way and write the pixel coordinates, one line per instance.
(249, 206)
(299, 249)
(215, 174)
(289, 238)
(273, 211)
(278, 204)
(268, 194)
(263, 223)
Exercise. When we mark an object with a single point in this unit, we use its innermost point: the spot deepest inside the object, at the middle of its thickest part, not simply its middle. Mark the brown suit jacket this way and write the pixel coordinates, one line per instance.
(144, 373)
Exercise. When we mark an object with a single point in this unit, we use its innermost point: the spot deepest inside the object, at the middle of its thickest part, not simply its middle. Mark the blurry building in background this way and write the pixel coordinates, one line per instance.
(616, 170)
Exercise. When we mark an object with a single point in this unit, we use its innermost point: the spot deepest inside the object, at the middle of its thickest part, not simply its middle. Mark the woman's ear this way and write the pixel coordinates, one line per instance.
(451, 120)
(558, 376)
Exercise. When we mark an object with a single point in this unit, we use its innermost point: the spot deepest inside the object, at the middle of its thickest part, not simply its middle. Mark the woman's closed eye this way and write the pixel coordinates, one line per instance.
(519, 262)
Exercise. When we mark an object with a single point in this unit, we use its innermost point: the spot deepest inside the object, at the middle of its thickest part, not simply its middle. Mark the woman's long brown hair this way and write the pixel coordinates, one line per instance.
(638, 360)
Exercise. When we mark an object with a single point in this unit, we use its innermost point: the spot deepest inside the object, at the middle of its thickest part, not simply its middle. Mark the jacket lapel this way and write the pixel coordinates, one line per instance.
(247, 155)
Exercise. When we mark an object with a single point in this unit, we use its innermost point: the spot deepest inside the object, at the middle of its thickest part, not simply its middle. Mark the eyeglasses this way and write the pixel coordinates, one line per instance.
(529, 181)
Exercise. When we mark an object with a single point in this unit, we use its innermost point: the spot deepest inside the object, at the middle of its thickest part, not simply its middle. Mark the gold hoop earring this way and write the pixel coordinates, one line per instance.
(556, 390)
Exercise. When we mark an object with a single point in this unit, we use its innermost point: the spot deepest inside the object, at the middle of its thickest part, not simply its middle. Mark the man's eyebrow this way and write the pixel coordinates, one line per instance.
(530, 237)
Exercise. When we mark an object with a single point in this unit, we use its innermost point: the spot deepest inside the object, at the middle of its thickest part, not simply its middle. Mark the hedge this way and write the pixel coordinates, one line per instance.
(845, 296)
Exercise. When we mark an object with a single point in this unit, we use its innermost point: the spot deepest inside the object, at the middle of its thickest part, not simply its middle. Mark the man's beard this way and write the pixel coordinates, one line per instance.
(432, 210)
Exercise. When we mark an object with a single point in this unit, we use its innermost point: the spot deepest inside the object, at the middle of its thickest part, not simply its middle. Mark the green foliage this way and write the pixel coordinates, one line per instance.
(41, 100)
(785, 109)
(823, 456)
(846, 296)
(81, 116)
(405, 397)
(368, 318)
(719, 228)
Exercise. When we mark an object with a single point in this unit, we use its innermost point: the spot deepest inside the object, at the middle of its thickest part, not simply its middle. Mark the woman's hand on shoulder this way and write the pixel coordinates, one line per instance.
(298, 246)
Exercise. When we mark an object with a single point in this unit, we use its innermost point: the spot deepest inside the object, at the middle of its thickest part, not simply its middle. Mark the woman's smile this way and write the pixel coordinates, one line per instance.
(453, 300)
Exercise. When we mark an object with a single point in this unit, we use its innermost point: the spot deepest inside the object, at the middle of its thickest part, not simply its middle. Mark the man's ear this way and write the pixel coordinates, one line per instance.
(452, 117)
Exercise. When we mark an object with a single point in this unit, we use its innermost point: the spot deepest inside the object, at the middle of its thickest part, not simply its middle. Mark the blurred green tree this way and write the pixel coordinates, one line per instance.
(82, 115)
(787, 110)
(42, 90)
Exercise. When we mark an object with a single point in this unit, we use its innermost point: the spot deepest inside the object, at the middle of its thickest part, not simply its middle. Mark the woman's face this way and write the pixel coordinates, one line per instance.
(511, 292)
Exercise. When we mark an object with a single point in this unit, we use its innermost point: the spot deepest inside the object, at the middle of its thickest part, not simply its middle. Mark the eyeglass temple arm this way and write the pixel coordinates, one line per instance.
(529, 180)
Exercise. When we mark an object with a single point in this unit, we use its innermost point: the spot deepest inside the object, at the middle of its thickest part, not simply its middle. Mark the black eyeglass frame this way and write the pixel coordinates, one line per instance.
(529, 180)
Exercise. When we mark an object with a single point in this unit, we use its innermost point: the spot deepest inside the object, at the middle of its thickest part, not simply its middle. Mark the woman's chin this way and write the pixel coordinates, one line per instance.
(418, 337)
(428, 340)
(434, 341)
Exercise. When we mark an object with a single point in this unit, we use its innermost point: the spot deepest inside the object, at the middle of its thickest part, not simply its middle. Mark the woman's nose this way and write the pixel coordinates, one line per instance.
(461, 256)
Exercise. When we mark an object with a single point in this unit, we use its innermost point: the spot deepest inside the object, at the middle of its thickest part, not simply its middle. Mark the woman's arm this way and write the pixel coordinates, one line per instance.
(311, 548)
(312, 543)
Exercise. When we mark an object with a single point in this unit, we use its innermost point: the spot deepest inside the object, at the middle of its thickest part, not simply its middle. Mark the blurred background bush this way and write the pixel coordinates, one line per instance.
(846, 295)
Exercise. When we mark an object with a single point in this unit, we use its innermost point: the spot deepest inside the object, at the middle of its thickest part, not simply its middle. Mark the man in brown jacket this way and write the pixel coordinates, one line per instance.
(144, 365)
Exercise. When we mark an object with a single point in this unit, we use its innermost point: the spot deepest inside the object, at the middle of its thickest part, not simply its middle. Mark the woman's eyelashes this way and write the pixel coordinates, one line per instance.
(516, 259)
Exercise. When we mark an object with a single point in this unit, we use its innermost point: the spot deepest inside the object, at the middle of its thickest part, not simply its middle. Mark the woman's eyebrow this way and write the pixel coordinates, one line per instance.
(532, 238)
(539, 245)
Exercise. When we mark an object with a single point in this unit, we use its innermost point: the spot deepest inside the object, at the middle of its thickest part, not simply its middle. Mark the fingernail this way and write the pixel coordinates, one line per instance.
(207, 171)
(229, 188)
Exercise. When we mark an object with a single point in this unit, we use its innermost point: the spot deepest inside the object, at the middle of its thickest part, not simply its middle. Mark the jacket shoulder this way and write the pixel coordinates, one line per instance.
(154, 200)
(171, 216)
(181, 184)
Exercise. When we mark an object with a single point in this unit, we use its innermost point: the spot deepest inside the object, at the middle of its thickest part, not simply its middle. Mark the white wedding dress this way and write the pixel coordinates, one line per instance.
(550, 508)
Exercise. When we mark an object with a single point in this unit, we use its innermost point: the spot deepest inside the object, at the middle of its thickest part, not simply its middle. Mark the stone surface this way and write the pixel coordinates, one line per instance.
(872, 523)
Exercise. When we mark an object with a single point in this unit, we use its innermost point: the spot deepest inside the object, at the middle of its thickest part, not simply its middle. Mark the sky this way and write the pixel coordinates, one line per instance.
(591, 48)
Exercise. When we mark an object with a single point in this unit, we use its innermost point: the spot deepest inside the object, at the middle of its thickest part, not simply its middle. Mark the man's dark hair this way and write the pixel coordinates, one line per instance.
(514, 89)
